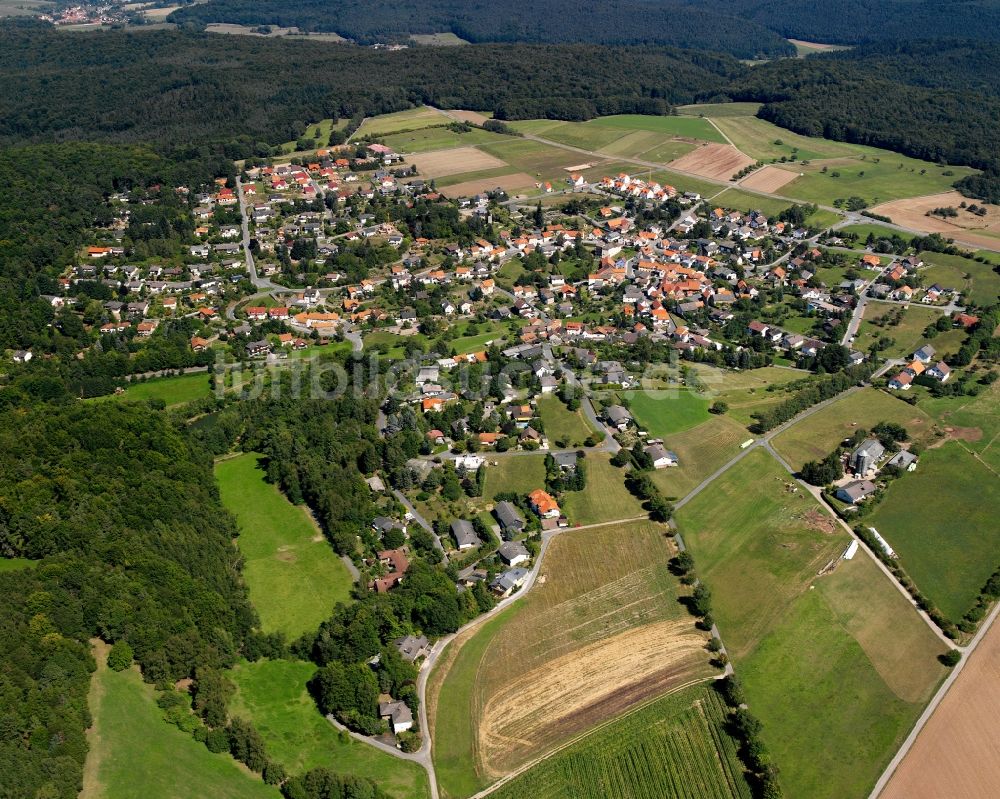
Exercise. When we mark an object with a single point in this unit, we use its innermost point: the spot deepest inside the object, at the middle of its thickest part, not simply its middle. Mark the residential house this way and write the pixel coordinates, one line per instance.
(513, 553)
(397, 714)
(503, 585)
(464, 534)
(543, 504)
(510, 518)
(412, 647)
(856, 491)
(661, 456)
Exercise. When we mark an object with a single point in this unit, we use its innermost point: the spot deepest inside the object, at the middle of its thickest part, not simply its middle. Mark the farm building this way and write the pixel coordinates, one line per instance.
(856, 491)
(865, 458)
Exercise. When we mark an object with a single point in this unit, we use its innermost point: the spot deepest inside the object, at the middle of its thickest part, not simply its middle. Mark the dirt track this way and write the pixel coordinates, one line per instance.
(958, 753)
(715, 161)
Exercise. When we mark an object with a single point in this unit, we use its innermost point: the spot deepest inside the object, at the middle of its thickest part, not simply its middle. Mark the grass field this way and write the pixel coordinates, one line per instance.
(521, 474)
(746, 201)
(14, 564)
(881, 176)
(907, 335)
(427, 139)
(411, 119)
(745, 392)
(448, 39)
(605, 498)
(759, 139)
(700, 451)
(980, 415)
(941, 520)
(172, 390)
(574, 653)
(716, 110)
(668, 749)
(818, 435)
(562, 424)
(836, 667)
(878, 231)
(661, 413)
(293, 575)
(136, 754)
(977, 282)
(272, 694)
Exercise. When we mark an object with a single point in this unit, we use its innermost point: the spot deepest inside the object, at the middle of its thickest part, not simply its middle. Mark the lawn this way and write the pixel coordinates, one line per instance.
(574, 653)
(674, 748)
(411, 119)
(517, 473)
(136, 754)
(293, 574)
(605, 498)
(977, 282)
(562, 424)
(272, 694)
(661, 413)
(836, 667)
(172, 390)
(818, 435)
(908, 335)
(942, 521)
(15, 564)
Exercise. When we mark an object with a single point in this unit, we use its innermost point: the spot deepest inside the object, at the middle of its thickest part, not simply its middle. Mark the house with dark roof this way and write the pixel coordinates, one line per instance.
(661, 456)
(510, 518)
(618, 417)
(504, 584)
(513, 553)
(464, 534)
(397, 714)
(412, 647)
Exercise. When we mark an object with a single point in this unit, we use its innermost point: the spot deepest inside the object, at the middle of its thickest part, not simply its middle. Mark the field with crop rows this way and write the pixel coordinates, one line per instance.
(674, 747)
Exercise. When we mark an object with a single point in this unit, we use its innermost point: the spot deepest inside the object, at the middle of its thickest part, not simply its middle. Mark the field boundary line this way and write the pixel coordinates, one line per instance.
(932, 706)
(580, 736)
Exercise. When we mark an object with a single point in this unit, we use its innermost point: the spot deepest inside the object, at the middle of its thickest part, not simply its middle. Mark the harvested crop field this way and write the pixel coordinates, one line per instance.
(442, 163)
(768, 179)
(475, 117)
(511, 184)
(958, 752)
(597, 636)
(981, 231)
(584, 687)
(715, 161)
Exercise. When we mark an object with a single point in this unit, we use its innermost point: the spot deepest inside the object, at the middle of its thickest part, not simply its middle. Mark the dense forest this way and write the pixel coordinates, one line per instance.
(857, 21)
(743, 28)
(134, 545)
(927, 100)
(168, 87)
(624, 22)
